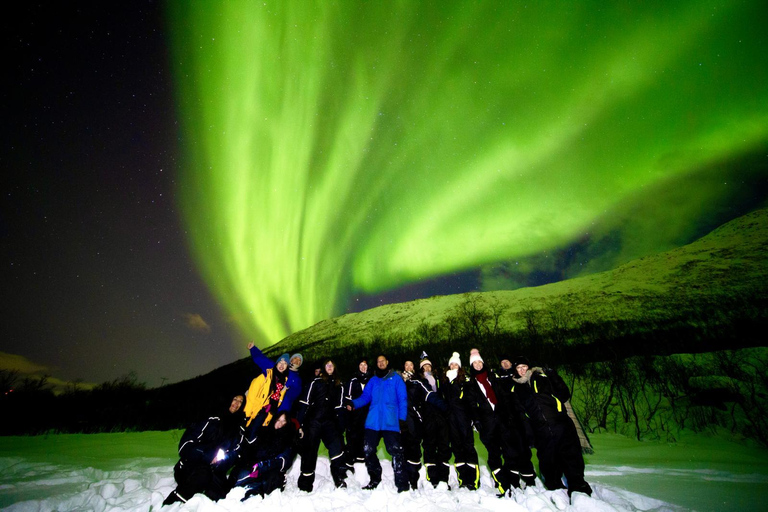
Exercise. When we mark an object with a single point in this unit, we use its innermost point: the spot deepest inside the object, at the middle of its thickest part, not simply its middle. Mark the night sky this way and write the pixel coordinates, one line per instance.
(178, 180)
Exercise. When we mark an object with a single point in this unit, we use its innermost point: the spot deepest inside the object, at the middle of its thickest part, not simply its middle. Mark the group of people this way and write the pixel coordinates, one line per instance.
(419, 413)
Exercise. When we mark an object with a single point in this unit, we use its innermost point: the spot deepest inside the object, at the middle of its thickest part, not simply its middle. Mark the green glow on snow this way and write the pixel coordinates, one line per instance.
(344, 147)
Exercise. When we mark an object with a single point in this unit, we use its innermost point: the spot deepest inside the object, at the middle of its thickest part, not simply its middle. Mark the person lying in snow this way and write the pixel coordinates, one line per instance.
(264, 463)
(207, 450)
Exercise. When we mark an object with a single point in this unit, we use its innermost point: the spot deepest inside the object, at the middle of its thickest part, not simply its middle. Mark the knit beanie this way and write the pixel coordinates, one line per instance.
(301, 358)
(455, 359)
(424, 360)
(474, 355)
(285, 357)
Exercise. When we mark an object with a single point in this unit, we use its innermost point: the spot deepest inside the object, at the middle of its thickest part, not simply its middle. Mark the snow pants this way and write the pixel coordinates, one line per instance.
(193, 478)
(559, 453)
(394, 448)
(464, 453)
(437, 447)
(501, 440)
(355, 434)
(411, 439)
(329, 432)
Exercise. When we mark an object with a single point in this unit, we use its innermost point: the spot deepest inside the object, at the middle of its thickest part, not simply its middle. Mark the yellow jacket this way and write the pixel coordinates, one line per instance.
(258, 397)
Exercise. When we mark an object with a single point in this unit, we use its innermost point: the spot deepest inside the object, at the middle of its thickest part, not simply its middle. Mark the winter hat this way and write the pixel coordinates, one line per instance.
(285, 357)
(301, 358)
(518, 360)
(424, 360)
(455, 359)
(474, 355)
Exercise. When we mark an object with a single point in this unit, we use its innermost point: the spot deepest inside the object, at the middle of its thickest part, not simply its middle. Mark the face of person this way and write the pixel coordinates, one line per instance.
(237, 403)
(506, 364)
(521, 369)
(280, 422)
(329, 367)
(296, 362)
(427, 368)
(408, 366)
(477, 365)
(318, 371)
(453, 366)
(381, 363)
(363, 367)
(281, 365)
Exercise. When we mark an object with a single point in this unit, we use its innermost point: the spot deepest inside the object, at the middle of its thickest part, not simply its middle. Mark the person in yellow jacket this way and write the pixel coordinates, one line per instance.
(266, 392)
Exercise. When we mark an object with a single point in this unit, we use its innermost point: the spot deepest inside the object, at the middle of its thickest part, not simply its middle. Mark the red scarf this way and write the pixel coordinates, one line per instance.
(482, 378)
(276, 394)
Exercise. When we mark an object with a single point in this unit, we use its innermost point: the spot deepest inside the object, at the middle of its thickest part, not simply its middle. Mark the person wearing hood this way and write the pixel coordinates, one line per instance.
(491, 415)
(356, 418)
(293, 380)
(267, 391)
(388, 407)
(542, 395)
(460, 425)
(319, 414)
(207, 451)
(272, 455)
(435, 442)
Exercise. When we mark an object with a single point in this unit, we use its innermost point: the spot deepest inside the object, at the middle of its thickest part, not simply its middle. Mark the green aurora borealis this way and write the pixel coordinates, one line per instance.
(339, 148)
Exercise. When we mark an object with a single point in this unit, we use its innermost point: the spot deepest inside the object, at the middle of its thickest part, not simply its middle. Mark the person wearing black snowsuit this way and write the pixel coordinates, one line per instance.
(207, 451)
(460, 425)
(504, 377)
(320, 416)
(436, 437)
(542, 395)
(356, 417)
(491, 416)
(272, 453)
(411, 431)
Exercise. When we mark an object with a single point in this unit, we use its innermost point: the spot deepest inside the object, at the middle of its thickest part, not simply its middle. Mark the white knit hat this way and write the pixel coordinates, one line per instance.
(474, 355)
(455, 359)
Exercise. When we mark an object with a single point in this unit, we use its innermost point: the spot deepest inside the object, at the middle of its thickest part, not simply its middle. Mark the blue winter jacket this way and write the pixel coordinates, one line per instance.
(389, 402)
(292, 382)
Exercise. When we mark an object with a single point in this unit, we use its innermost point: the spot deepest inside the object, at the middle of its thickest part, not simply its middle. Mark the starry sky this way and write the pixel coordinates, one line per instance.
(179, 179)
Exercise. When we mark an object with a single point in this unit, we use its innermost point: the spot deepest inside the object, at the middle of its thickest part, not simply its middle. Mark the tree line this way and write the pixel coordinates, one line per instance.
(627, 376)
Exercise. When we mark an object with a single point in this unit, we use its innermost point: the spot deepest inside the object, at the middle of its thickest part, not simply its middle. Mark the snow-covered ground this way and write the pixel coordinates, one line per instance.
(64, 477)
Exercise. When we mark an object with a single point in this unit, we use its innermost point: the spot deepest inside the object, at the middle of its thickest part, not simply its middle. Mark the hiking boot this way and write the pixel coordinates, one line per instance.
(371, 485)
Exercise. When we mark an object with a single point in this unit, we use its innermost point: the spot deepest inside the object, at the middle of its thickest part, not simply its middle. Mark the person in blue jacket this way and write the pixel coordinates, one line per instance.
(293, 381)
(388, 408)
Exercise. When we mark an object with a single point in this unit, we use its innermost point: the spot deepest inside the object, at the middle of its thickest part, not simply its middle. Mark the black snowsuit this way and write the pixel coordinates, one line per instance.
(462, 436)
(436, 437)
(542, 396)
(274, 450)
(207, 450)
(499, 433)
(410, 435)
(319, 414)
(356, 418)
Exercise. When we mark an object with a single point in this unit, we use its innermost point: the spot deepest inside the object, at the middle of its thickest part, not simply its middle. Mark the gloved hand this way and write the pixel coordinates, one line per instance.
(255, 472)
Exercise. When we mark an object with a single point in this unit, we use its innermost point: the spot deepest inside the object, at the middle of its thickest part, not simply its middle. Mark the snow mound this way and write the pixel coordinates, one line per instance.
(144, 484)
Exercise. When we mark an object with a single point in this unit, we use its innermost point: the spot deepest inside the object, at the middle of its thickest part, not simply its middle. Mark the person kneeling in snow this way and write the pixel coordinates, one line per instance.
(264, 464)
(207, 450)
(542, 396)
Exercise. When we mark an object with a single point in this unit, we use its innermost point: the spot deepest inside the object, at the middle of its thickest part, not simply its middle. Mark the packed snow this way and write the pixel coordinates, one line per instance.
(144, 483)
(106, 472)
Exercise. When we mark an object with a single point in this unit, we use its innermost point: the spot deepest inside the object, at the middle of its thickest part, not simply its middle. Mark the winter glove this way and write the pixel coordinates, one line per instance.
(255, 472)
